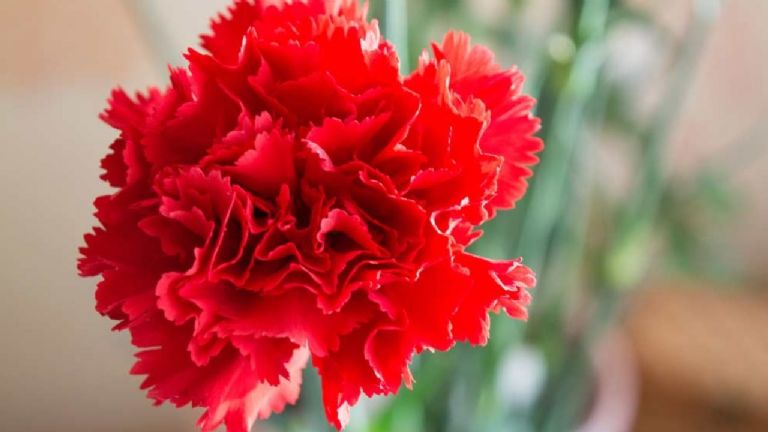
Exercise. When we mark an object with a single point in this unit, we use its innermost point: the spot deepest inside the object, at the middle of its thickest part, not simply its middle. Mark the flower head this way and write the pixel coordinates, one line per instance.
(290, 196)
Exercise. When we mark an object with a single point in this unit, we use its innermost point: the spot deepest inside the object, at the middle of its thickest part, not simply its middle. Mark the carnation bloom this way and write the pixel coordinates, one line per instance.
(289, 196)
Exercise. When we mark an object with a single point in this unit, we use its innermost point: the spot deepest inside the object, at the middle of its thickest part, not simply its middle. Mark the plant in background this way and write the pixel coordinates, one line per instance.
(291, 196)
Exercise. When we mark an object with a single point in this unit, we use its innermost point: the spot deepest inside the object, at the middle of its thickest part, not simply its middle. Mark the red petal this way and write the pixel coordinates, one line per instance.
(346, 374)
(269, 165)
(495, 283)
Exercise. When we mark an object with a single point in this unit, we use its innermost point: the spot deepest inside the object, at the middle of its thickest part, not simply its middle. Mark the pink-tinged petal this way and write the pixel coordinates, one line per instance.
(466, 60)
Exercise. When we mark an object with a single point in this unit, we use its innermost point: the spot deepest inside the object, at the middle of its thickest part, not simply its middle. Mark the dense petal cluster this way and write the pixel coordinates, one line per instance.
(289, 196)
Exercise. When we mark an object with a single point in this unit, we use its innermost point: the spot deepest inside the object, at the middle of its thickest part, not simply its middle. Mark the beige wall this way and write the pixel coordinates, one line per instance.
(726, 121)
(60, 368)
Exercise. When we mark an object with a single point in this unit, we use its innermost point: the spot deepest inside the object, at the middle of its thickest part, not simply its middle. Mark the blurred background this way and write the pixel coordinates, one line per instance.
(647, 219)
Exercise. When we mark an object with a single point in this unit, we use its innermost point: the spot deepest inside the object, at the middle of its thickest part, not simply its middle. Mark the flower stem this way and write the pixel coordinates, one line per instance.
(396, 30)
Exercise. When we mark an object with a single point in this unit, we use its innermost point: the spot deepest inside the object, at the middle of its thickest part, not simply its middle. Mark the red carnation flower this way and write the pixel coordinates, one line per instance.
(289, 195)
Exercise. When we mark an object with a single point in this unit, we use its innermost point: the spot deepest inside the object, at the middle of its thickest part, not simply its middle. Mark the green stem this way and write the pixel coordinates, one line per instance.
(567, 388)
(628, 255)
(568, 119)
(396, 30)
